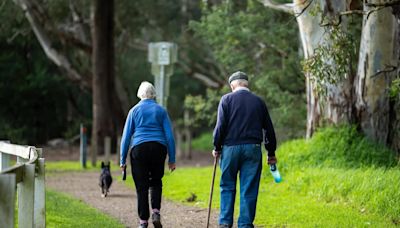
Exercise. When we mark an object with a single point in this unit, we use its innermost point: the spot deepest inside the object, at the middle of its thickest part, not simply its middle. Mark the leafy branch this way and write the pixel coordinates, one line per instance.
(331, 60)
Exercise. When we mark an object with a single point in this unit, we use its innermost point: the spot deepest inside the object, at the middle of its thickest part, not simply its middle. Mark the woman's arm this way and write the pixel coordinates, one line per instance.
(169, 135)
(129, 128)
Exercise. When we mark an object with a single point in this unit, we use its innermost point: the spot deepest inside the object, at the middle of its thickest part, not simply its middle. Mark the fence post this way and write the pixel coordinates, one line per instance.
(26, 190)
(188, 134)
(4, 161)
(40, 194)
(7, 200)
(178, 143)
(107, 148)
(4, 158)
(83, 146)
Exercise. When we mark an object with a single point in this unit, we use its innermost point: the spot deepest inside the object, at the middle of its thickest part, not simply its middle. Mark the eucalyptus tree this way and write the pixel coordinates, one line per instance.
(362, 97)
(378, 66)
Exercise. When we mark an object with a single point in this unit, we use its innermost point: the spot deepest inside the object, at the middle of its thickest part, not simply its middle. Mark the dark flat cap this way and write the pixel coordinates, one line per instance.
(238, 75)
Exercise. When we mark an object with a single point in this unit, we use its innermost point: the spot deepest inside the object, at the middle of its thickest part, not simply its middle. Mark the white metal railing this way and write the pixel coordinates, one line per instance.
(27, 178)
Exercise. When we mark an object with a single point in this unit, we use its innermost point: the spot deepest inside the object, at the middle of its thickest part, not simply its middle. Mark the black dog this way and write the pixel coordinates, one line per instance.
(105, 179)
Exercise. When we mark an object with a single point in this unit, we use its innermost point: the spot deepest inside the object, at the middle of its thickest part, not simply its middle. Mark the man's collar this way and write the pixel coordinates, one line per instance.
(240, 88)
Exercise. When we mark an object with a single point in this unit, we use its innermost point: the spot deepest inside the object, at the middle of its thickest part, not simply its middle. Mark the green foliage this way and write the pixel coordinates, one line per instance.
(203, 109)
(64, 211)
(395, 88)
(339, 147)
(33, 96)
(203, 143)
(335, 179)
(263, 43)
(331, 60)
(155, 21)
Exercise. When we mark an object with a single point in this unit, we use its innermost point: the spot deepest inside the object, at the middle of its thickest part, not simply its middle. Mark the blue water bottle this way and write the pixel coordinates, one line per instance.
(275, 173)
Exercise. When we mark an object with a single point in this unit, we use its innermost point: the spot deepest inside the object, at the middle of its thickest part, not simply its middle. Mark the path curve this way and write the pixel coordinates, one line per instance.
(121, 201)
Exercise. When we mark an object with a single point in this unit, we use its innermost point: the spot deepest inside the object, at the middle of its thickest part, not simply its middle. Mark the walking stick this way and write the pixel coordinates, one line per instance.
(211, 191)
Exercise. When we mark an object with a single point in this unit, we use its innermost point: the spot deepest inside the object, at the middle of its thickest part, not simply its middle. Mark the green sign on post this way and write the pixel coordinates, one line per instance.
(162, 56)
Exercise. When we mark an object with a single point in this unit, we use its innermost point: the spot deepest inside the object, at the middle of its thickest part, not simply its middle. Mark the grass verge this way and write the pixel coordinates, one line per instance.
(72, 166)
(64, 211)
(336, 179)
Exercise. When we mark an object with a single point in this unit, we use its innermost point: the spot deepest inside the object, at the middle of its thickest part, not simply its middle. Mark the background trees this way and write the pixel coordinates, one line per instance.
(343, 83)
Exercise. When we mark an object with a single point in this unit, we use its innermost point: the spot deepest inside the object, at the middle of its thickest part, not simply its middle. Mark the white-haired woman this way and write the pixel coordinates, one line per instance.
(149, 137)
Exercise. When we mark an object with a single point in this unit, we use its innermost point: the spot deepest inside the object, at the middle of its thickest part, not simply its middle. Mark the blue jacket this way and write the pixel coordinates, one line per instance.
(147, 122)
(243, 118)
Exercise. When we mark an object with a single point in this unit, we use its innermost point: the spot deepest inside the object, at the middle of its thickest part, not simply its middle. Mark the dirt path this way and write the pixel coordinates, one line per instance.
(121, 202)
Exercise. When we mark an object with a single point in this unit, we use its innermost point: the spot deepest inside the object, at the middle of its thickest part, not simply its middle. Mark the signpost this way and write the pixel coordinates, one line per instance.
(162, 56)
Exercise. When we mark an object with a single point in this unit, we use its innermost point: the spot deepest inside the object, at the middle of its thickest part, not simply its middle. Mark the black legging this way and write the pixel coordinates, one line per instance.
(147, 162)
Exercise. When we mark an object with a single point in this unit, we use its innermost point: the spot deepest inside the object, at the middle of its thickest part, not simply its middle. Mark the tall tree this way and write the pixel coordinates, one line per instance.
(107, 112)
(377, 67)
(310, 16)
(370, 106)
(57, 40)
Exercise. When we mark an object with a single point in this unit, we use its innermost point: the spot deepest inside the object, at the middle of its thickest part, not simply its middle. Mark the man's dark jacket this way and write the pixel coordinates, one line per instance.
(242, 119)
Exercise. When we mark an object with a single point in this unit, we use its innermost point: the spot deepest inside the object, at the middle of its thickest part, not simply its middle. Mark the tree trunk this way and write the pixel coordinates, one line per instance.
(103, 74)
(377, 67)
(311, 34)
(337, 104)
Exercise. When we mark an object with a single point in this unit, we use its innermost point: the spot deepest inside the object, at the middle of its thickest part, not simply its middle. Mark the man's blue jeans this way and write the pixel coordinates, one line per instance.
(246, 160)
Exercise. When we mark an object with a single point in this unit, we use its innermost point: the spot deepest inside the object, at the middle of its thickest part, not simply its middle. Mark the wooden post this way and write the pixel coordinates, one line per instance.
(26, 195)
(7, 200)
(4, 159)
(40, 195)
(179, 150)
(83, 146)
(188, 137)
(92, 151)
(188, 134)
(107, 148)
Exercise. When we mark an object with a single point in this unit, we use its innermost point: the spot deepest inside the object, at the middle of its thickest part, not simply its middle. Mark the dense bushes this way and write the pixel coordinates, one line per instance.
(337, 147)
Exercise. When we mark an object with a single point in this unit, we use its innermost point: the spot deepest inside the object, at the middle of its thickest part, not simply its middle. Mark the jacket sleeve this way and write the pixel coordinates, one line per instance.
(169, 135)
(269, 133)
(220, 127)
(129, 128)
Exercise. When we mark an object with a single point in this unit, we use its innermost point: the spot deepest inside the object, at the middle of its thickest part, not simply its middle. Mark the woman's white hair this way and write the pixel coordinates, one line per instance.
(146, 91)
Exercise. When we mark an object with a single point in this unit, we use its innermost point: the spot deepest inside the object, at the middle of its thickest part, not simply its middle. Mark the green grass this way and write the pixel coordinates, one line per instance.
(336, 179)
(72, 166)
(64, 211)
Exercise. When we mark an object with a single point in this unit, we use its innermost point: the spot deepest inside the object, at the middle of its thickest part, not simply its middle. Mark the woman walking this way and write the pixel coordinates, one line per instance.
(149, 138)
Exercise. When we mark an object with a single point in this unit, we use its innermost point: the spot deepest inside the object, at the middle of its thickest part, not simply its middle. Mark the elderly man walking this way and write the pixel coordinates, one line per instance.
(243, 122)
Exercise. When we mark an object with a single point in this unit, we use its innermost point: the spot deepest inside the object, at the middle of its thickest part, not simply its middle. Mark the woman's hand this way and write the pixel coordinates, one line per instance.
(171, 166)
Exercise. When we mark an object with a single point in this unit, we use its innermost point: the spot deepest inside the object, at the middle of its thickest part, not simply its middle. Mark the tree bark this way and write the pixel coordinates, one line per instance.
(105, 100)
(377, 67)
(337, 105)
(311, 34)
